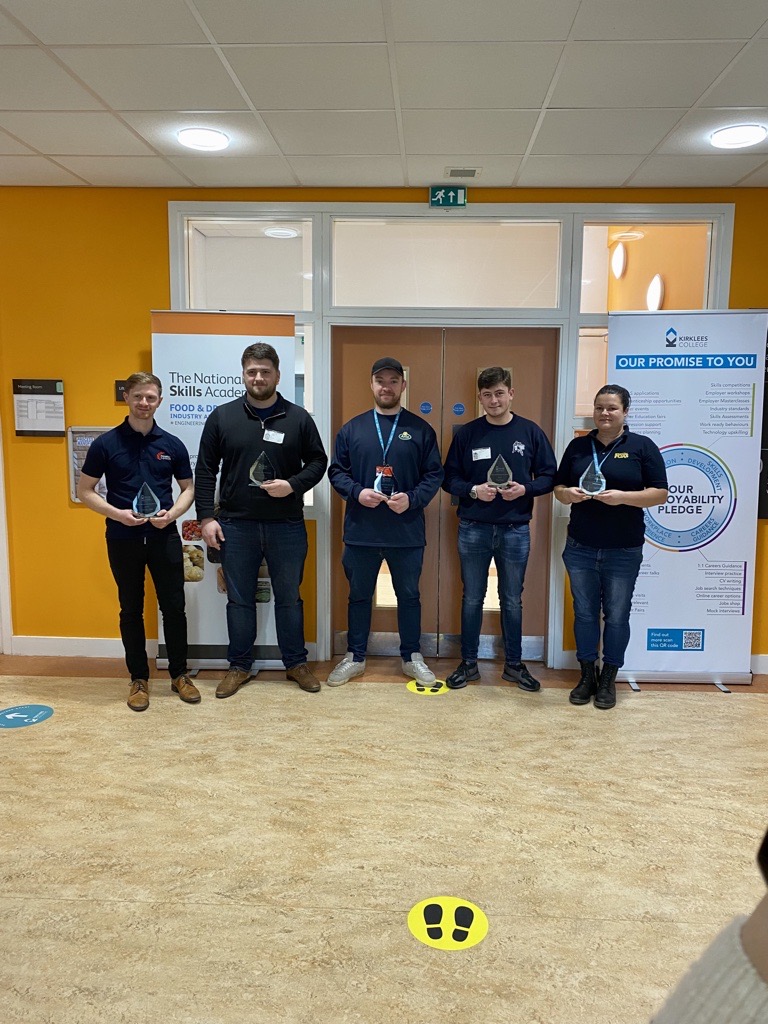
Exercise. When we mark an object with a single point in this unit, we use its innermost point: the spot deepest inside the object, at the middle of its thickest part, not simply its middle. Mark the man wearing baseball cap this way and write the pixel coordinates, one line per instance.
(387, 467)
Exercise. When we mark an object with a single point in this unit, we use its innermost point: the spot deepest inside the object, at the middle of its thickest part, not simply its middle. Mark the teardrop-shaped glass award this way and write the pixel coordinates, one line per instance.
(385, 482)
(500, 475)
(146, 504)
(592, 480)
(261, 471)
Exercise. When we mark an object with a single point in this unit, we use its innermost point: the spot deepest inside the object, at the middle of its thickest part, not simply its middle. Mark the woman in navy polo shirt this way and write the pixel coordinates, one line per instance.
(609, 477)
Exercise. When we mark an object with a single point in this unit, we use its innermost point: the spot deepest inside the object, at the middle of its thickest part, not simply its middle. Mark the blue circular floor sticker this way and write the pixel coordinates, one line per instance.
(701, 501)
(24, 714)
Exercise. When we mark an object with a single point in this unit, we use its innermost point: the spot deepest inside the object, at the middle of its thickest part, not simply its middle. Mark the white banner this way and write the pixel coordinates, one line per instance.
(696, 381)
(200, 372)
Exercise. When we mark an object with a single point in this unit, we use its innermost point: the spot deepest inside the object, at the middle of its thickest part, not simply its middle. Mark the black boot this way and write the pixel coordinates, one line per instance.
(606, 688)
(586, 688)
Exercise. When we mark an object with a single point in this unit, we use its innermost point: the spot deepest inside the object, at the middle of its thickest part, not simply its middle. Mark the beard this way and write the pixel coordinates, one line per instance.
(261, 392)
(390, 402)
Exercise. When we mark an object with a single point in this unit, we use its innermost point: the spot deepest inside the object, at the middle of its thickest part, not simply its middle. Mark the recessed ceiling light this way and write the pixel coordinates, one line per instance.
(629, 236)
(208, 139)
(738, 136)
(281, 232)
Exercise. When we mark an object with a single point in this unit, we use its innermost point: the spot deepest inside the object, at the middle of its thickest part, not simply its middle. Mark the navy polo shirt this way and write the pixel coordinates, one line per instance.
(632, 463)
(128, 458)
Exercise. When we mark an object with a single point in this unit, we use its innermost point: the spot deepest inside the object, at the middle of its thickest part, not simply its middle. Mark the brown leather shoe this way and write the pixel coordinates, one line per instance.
(186, 689)
(301, 674)
(232, 681)
(138, 699)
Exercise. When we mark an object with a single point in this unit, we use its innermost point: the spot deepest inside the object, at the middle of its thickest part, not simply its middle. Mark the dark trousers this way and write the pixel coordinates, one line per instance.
(128, 559)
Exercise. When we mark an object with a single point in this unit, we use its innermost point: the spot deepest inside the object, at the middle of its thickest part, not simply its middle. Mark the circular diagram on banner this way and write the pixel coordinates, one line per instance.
(24, 714)
(701, 501)
(447, 922)
(429, 688)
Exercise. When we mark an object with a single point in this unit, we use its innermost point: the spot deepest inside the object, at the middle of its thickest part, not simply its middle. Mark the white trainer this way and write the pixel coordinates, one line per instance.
(418, 669)
(347, 669)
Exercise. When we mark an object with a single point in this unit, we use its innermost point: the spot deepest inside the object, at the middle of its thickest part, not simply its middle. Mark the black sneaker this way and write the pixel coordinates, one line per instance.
(466, 673)
(519, 674)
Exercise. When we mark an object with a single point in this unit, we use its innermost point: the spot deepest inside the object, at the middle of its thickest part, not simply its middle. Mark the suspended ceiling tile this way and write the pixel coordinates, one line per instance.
(11, 34)
(757, 179)
(107, 21)
(639, 74)
(576, 171)
(10, 147)
(340, 77)
(155, 77)
(235, 172)
(495, 171)
(73, 133)
(695, 171)
(617, 132)
(30, 80)
(497, 20)
(333, 132)
(34, 170)
(268, 21)
(247, 136)
(468, 131)
(332, 171)
(693, 133)
(483, 75)
(746, 82)
(124, 171)
(660, 19)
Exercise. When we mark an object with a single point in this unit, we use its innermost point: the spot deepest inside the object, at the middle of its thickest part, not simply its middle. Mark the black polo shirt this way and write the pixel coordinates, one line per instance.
(633, 464)
(128, 458)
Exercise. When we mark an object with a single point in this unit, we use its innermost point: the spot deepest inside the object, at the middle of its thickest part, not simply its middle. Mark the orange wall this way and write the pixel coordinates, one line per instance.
(80, 270)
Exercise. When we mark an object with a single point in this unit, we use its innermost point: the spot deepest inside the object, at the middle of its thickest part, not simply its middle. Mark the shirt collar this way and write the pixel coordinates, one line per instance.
(128, 431)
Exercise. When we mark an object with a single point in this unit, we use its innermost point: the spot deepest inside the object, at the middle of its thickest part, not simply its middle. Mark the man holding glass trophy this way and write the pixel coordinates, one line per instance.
(387, 467)
(496, 466)
(140, 461)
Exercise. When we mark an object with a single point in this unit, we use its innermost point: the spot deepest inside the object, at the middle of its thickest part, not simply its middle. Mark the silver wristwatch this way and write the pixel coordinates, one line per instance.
(473, 493)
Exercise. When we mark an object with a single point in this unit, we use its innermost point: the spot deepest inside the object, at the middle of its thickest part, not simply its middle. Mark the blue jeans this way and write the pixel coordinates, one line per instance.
(509, 546)
(361, 566)
(284, 545)
(601, 578)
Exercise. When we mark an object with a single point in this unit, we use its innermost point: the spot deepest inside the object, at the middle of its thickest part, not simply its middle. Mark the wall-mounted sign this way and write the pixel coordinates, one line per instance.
(38, 407)
(79, 440)
(446, 196)
(120, 390)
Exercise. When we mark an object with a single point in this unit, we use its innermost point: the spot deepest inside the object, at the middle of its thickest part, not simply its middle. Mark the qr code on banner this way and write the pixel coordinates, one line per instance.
(693, 639)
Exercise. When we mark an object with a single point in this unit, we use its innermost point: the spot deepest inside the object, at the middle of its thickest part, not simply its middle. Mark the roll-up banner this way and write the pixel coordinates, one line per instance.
(197, 358)
(696, 381)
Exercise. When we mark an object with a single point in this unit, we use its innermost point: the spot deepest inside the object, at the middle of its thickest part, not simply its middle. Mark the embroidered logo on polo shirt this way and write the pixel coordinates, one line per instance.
(621, 455)
(405, 436)
(518, 448)
(162, 457)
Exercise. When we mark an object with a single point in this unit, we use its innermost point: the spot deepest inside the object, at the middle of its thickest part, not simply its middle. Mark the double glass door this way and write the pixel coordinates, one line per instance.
(441, 367)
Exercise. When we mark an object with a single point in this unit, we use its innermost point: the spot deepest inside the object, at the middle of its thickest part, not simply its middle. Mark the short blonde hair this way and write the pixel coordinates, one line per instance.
(137, 379)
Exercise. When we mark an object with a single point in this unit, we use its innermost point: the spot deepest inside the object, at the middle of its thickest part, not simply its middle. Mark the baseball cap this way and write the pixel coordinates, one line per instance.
(387, 364)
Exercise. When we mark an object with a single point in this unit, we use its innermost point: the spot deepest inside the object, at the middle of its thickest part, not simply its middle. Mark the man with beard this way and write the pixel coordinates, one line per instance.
(270, 454)
(386, 466)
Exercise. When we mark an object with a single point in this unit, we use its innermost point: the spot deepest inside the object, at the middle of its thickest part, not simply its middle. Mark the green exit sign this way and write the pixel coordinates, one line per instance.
(447, 195)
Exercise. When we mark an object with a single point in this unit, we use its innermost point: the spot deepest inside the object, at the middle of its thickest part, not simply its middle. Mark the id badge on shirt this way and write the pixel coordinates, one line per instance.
(274, 435)
(478, 454)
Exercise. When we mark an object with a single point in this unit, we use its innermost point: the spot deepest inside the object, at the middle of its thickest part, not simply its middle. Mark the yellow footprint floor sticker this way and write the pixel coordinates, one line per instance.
(447, 922)
(428, 688)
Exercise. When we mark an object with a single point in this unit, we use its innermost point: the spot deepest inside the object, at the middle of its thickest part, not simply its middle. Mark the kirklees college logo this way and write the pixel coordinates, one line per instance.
(671, 338)
(162, 457)
(701, 501)
(518, 448)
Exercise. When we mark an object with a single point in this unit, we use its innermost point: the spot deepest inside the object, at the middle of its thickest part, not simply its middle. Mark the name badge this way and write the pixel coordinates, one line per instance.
(274, 435)
(480, 453)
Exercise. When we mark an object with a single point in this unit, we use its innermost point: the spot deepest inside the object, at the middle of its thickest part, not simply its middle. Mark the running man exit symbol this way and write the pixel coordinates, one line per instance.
(447, 196)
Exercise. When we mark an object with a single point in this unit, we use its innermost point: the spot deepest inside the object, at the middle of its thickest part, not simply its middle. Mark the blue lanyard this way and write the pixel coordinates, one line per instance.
(599, 465)
(391, 434)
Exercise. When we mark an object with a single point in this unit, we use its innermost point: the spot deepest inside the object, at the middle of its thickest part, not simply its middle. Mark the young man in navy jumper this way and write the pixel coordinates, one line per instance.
(135, 453)
(387, 467)
(494, 518)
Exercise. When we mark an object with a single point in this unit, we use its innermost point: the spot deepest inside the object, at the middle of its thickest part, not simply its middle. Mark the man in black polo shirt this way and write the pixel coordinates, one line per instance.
(139, 453)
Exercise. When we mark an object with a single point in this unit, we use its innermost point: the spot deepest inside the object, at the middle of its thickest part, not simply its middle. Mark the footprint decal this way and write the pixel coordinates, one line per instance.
(430, 922)
(433, 915)
(463, 916)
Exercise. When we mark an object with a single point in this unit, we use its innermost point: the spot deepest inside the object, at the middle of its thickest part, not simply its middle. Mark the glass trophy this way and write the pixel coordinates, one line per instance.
(500, 475)
(385, 482)
(592, 480)
(261, 471)
(146, 504)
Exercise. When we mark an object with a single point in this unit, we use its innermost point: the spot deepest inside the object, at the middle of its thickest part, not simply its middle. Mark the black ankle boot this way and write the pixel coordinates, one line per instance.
(586, 688)
(606, 688)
